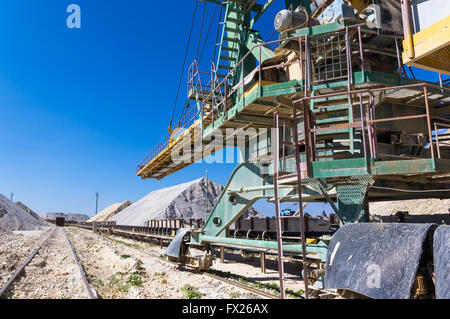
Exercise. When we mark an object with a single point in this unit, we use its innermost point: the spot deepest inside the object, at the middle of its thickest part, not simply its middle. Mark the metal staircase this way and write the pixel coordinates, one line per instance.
(228, 54)
(237, 16)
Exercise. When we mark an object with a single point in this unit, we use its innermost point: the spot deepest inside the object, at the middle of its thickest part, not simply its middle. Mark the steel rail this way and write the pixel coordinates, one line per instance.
(245, 287)
(242, 286)
(82, 273)
(20, 270)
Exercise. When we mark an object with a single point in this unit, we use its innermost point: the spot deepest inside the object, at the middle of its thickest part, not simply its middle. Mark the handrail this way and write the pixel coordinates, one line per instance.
(369, 121)
(225, 95)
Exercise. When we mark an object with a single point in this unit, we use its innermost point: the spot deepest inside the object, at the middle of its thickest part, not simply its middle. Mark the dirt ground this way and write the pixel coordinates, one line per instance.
(15, 247)
(123, 269)
(120, 268)
(245, 266)
(249, 266)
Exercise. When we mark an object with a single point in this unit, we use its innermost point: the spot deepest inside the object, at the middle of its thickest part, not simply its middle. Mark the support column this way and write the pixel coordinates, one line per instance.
(263, 262)
(222, 255)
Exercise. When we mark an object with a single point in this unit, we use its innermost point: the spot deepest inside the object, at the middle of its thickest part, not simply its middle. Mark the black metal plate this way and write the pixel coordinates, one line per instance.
(174, 248)
(379, 261)
(442, 262)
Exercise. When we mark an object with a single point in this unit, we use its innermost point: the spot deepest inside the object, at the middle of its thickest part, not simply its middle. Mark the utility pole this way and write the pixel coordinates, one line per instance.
(96, 203)
(12, 195)
(207, 193)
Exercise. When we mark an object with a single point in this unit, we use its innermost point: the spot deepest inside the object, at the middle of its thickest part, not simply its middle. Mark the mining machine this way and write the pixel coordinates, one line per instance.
(330, 111)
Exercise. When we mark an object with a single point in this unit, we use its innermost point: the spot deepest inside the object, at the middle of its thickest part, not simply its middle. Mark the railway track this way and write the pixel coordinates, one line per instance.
(242, 286)
(228, 281)
(57, 235)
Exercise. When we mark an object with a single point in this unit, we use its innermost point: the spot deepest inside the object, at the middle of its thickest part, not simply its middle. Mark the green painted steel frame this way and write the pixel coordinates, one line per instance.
(352, 199)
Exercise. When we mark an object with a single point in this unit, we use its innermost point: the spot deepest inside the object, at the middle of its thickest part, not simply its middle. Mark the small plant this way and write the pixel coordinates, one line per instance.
(160, 274)
(191, 293)
(273, 286)
(136, 246)
(98, 249)
(125, 256)
(135, 279)
(97, 282)
(295, 294)
(118, 281)
(113, 280)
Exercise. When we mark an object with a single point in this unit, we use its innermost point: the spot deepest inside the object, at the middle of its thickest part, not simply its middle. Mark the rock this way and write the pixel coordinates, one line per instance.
(29, 211)
(185, 201)
(135, 293)
(13, 217)
(110, 212)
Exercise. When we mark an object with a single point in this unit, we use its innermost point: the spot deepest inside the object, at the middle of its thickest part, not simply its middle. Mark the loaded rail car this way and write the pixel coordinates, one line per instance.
(60, 221)
(349, 126)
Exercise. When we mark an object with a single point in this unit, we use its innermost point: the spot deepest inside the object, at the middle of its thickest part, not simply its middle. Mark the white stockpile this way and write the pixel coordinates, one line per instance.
(185, 201)
(414, 207)
(13, 217)
(109, 212)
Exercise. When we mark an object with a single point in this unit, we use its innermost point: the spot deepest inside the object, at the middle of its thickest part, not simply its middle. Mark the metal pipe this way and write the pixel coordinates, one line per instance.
(300, 50)
(363, 133)
(374, 125)
(372, 91)
(256, 189)
(427, 106)
(370, 129)
(437, 140)
(277, 206)
(283, 168)
(407, 30)
(260, 71)
(299, 191)
(361, 51)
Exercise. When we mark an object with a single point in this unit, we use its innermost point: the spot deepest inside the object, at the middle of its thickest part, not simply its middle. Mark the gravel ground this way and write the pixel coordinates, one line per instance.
(15, 248)
(247, 266)
(118, 270)
(52, 274)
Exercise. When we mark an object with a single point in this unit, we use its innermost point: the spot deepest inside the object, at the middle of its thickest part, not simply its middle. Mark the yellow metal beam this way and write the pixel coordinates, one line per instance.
(431, 48)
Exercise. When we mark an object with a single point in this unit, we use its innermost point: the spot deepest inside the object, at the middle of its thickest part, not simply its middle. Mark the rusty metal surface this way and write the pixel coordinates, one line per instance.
(80, 269)
(379, 261)
(242, 286)
(442, 262)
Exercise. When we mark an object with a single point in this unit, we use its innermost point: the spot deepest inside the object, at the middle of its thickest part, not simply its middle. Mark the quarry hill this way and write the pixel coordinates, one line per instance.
(185, 201)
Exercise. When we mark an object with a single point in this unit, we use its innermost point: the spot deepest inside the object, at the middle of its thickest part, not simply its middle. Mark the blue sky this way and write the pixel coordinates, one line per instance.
(81, 108)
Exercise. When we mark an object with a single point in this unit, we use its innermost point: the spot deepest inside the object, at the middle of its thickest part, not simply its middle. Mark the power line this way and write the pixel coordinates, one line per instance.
(201, 31)
(207, 34)
(184, 62)
(218, 31)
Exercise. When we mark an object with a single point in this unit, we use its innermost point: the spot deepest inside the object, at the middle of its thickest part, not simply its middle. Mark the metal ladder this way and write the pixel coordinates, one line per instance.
(276, 179)
(231, 37)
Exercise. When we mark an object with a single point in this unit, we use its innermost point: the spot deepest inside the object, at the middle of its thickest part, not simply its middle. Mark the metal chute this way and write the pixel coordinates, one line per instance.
(442, 262)
(379, 261)
(174, 248)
